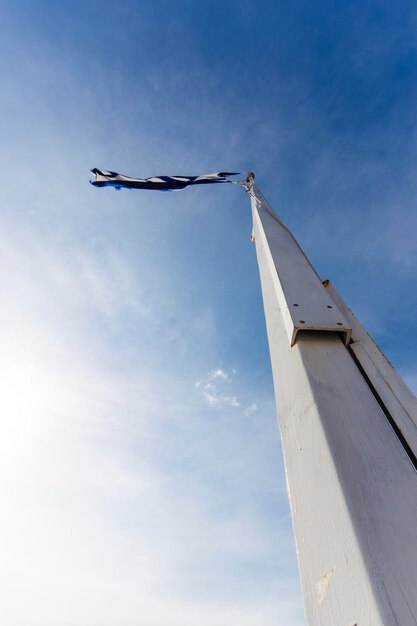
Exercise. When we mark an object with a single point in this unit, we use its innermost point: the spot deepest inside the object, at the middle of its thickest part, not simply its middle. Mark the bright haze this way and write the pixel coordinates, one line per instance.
(142, 481)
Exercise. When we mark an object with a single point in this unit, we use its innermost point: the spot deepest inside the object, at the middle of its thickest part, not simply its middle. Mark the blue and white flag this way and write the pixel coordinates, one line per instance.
(160, 183)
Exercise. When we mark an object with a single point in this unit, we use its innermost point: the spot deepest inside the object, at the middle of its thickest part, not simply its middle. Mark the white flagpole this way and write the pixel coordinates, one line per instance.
(348, 428)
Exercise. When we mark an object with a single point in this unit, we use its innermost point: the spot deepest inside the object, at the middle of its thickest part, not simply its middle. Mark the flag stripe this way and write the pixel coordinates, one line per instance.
(106, 178)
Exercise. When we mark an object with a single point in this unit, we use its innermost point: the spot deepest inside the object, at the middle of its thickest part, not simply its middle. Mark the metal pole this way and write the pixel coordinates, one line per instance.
(348, 428)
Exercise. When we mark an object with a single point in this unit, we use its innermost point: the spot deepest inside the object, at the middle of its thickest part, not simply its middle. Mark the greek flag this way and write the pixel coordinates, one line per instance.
(160, 183)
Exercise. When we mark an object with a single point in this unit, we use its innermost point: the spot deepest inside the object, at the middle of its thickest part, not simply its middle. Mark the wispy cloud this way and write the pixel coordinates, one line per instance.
(219, 373)
(252, 408)
(216, 388)
(217, 394)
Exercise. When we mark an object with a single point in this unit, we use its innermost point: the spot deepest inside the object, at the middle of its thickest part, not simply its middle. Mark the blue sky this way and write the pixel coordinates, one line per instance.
(142, 481)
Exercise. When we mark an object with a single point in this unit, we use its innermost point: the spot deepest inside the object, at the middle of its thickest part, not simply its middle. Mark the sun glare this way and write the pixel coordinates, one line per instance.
(25, 402)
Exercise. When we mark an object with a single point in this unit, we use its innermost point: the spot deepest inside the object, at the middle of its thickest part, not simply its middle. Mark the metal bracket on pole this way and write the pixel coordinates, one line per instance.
(303, 301)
